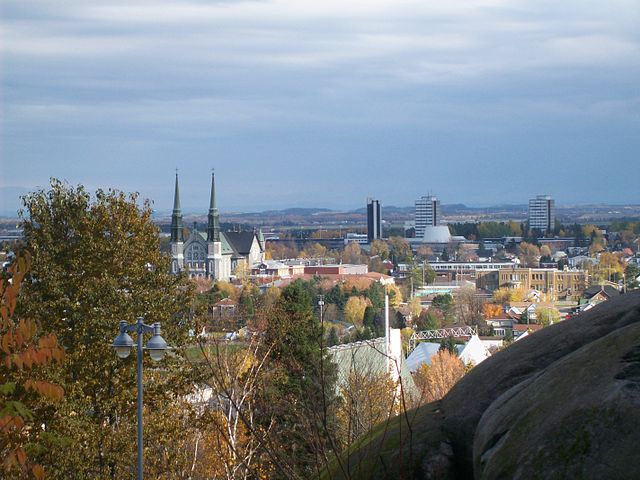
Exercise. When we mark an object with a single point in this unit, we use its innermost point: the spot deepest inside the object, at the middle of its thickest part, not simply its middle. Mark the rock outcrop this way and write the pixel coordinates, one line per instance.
(561, 403)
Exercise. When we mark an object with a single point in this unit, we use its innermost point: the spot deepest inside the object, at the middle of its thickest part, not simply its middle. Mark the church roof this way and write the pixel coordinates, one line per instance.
(241, 241)
(226, 249)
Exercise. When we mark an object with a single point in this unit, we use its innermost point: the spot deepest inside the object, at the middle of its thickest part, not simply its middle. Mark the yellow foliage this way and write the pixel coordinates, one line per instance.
(354, 310)
(368, 400)
(491, 310)
(437, 379)
(395, 295)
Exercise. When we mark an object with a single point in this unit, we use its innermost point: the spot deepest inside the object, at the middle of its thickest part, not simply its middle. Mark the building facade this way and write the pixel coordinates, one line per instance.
(427, 214)
(555, 284)
(211, 254)
(542, 213)
(374, 225)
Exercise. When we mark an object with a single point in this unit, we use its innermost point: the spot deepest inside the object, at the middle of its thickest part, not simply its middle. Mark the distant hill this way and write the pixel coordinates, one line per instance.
(289, 211)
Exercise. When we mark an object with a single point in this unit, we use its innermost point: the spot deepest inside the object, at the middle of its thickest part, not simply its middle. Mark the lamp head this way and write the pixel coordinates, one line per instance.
(123, 342)
(156, 346)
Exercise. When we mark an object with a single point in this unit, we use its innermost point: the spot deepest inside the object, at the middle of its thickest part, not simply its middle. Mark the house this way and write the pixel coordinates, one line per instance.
(580, 260)
(523, 330)
(275, 268)
(502, 325)
(596, 294)
(530, 308)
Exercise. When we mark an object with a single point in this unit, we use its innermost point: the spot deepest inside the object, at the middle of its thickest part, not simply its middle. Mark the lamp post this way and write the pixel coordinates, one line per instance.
(156, 347)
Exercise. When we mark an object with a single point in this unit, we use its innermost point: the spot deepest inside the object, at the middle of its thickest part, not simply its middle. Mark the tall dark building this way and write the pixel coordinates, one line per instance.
(374, 222)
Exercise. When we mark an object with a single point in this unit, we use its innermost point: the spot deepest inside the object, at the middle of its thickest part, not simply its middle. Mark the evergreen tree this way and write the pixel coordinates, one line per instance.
(369, 320)
(303, 377)
(375, 293)
(332, 338)
(448, 344)
(337, 297)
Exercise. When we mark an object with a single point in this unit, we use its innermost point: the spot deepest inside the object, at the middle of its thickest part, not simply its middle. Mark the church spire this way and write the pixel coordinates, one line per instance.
(176, 216)
(213, 226)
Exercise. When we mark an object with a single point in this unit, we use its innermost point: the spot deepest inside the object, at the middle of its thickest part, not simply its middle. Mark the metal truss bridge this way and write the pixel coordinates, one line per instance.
(441, 333)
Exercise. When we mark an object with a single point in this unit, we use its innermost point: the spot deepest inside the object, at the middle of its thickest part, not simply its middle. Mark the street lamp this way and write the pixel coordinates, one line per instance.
(157, 348)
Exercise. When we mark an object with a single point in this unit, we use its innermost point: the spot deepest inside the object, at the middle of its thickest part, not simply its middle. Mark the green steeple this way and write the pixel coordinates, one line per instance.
(213, 226)
(176, 216)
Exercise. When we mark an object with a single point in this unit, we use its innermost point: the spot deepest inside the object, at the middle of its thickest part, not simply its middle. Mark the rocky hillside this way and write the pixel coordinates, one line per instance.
(561, 403)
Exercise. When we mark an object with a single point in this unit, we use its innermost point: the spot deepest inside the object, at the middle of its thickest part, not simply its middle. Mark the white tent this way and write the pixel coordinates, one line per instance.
(474, 351)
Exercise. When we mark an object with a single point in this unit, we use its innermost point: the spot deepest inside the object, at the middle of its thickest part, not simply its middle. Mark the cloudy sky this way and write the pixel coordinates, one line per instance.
(323, 103)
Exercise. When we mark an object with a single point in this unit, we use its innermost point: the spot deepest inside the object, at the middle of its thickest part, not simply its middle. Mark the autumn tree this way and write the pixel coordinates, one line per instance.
(395, 295)
(505, 295)
(491, 310)
(281, 250)
(415, 307)
(547, 315)
(222, 289)
(352, 253)
(270, 298)
(400, 250)
(611, 266)
(424, 252)
(468, 307)
(96, 261)
(380, 248)
(369, 398)
(467, 253)
(437, 379)
(315, 250)
(529, 254)
(354, 310)
(229, 440)
(25, 351)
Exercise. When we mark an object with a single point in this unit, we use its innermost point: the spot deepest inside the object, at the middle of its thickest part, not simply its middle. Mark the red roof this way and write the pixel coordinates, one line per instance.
(226, 302)
(523, 328)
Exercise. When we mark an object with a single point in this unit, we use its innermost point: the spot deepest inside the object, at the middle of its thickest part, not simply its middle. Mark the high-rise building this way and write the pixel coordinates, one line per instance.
(427, 214)
(542, 213)
(374, 223)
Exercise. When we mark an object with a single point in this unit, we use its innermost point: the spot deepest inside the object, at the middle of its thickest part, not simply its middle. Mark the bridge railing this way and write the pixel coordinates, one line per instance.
(466, 331)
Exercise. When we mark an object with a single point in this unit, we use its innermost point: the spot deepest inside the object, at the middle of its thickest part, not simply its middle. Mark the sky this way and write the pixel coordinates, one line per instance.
(300, 103)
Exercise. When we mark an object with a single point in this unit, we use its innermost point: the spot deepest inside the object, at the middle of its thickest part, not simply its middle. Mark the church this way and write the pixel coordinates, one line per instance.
(211, 254)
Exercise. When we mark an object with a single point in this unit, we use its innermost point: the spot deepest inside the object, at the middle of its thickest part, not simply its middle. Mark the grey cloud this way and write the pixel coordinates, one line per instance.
(295, 83)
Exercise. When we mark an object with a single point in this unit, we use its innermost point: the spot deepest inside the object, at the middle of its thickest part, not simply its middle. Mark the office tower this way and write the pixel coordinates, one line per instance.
(374, 226)
(427, 214)
(542, 213)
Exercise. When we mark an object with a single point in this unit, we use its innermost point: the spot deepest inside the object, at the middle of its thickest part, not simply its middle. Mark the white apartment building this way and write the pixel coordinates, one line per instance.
(542, 213)
(427, 214)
